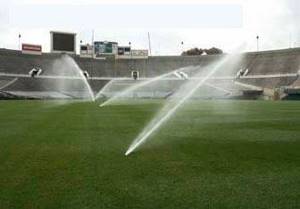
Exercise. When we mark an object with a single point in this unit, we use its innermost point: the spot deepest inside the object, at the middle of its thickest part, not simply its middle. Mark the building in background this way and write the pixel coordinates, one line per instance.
(86, 51)
(124, 50)
(62, 42)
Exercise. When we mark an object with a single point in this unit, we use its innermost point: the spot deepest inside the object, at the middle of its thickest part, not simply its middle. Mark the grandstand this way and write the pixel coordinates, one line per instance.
(266, 73)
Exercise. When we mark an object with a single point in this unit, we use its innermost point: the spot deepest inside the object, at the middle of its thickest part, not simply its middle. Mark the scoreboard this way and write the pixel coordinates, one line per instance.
(63, 42)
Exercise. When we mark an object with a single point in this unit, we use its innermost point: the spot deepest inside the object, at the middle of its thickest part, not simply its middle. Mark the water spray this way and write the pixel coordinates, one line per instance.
(142, 84)
(102, 90)
(166, 113)
(82, 76)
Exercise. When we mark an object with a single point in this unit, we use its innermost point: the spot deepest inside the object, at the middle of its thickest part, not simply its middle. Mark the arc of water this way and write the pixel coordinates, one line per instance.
(163, 116)
(140, 85)
(82, 77)
(104, 89)
(8, 84)
(91, 93)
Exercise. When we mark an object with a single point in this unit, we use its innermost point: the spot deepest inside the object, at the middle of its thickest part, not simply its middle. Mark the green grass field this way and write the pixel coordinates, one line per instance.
(224, 154)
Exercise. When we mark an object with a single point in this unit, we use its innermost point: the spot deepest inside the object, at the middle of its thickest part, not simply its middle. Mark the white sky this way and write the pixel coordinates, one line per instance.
(198, 23)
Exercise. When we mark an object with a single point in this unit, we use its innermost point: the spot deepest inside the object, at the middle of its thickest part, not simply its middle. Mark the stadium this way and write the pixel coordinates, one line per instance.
(268, 73)
(103, 124)
(61, 74)
(226, 139)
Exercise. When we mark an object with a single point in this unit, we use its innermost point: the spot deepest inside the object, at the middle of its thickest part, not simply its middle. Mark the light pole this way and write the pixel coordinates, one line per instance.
(130, 49)
(19, 41)
(131, 61)
(257, 42)
(182, 47)
(149, 42)
(93, 37)
(80, 47)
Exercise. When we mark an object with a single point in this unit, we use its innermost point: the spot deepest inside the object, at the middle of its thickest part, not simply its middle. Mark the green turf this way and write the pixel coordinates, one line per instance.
(234, 154)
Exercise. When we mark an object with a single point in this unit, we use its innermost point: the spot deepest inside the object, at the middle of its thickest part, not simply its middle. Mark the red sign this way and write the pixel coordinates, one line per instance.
(31, 47)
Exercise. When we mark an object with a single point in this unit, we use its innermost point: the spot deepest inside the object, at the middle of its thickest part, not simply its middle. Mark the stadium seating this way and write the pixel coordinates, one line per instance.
(269, 63)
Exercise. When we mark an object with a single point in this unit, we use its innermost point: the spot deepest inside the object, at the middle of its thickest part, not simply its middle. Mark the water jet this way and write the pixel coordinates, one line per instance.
(170, 108)
(141, 84)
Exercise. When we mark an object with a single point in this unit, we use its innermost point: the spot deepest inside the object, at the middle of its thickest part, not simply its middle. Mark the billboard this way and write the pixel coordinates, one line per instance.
(139, 54)
(31, 49)
(63, 42)
(105, 48)
(125, 53)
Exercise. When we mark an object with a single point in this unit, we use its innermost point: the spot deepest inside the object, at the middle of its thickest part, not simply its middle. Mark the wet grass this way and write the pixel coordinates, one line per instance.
(233, 154)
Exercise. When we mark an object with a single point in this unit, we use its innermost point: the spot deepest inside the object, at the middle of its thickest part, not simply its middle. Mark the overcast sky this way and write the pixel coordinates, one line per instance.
(198, 23)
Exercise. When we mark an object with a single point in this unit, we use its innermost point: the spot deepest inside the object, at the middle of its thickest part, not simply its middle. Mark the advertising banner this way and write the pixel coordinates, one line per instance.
(31, 49)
